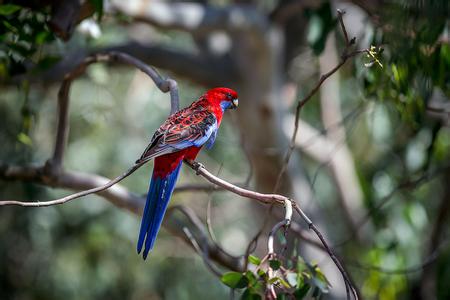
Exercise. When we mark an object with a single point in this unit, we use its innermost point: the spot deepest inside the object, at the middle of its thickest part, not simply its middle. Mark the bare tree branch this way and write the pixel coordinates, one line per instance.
(190, 16)
(279, 199)
(428, 280)
(62, 179)
(122, 198)
(117, 194)
(204, 70)
(413, 269)
(287, 9)
(165, 85)
(263, 198)
(198, 187)
(413, 183)
(346, 54)
(271, 254)
(341, 163)
(43, 174)
(197, 236)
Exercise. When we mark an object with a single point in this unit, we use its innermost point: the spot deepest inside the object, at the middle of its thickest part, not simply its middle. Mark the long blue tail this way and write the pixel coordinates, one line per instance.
(157, 200)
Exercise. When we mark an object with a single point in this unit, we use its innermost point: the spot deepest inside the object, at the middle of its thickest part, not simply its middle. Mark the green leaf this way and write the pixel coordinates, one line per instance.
(234, 280)
(301, 292)
(254, 260)
(42, 37)
(258, 287)
(47, 62)
(25, 139)
(273, 280)
(251, 277)
(281, 297)
(8, 9)
(98, 6)
(275, 264)
(320, 282)
(9, 26)
(301, 265)
(261, 273)
(300, 280)
(249, 294)
(284, 283)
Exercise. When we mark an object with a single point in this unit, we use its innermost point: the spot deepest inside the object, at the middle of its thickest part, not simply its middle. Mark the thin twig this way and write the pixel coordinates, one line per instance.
(346, 54)
(270, 292)
(54, 165)
(414, 269)
(202, 253)
(263, 198)
(254, 241)
(76, 195)
(208, 221)
(200, 169)
(341, 22)
(271, 254)
(164, 84)
(410, 183)
(338, 264)
(198, 187)
(273, 198)
(212, 250)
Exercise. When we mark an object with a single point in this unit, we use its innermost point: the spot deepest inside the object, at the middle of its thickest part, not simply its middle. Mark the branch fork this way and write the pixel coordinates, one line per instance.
(54, 164)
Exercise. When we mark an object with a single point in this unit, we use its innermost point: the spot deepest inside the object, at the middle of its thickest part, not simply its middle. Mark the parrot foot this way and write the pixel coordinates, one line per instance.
(197, 166)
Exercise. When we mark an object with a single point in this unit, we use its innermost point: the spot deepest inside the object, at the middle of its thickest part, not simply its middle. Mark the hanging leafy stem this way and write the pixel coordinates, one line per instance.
(295, 279)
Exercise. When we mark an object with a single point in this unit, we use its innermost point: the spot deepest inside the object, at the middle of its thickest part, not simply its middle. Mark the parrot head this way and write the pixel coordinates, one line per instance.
(225, 97)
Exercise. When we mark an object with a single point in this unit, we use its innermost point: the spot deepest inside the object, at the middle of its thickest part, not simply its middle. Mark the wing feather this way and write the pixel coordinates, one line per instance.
(192, 126)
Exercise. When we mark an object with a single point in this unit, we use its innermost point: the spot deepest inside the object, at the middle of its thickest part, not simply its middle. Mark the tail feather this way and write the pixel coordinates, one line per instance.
(158, 197)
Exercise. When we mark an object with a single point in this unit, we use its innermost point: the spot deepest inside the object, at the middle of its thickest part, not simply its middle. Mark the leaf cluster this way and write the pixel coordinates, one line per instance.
(22, 34)
(296, 279)
(416, 57)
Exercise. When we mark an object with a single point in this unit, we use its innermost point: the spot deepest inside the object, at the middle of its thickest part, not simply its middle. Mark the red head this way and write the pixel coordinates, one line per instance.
(224, 97)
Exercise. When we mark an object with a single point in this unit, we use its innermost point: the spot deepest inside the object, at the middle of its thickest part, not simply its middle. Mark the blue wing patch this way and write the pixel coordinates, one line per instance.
(211, 140)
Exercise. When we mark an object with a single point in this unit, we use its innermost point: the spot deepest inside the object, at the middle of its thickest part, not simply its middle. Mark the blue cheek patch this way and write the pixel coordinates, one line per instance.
(225, 105)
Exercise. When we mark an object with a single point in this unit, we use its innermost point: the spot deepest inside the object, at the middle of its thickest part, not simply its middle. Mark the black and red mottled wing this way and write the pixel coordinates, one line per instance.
(191, 126)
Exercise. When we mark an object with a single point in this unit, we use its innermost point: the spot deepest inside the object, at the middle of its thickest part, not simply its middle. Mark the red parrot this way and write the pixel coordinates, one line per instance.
(180, 137)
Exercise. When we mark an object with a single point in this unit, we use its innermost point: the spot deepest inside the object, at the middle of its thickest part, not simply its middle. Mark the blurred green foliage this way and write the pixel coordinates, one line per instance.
(417, 55)
(84, 250)
(23, 32)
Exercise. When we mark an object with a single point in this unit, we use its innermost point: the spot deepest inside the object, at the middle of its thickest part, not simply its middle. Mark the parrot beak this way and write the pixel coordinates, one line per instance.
(235, 103)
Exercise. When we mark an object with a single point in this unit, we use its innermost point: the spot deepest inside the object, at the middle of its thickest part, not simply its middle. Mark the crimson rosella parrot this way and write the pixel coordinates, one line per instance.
(180, 137)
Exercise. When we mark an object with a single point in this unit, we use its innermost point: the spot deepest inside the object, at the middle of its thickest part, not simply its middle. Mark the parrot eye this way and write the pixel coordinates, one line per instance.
(229, 96)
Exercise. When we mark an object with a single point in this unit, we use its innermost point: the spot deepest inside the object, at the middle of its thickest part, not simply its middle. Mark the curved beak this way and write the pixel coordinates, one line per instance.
(235, 103)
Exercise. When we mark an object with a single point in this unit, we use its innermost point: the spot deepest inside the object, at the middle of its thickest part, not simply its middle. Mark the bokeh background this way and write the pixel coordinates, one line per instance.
(371, 164)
